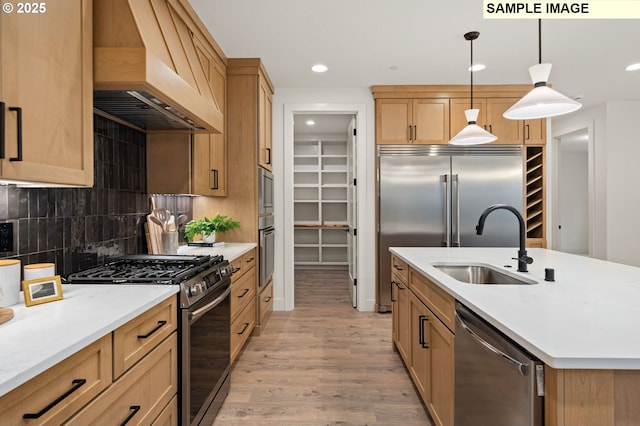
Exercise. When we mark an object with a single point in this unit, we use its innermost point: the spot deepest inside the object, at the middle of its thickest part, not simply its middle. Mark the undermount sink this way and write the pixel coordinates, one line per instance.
(481, 274)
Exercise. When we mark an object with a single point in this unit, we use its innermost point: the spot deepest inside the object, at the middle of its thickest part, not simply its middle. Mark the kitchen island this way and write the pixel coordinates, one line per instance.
(582, 326)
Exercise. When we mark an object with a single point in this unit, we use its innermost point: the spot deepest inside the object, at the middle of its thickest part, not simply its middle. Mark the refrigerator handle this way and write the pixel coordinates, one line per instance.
(447, 212)
(456, 184)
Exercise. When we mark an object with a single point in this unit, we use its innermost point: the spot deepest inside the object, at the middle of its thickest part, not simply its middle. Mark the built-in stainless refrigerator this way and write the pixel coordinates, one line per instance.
(433, 196)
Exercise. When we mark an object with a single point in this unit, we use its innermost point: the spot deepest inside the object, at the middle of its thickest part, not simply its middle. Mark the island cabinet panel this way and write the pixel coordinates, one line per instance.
(82, 377)
(424, 341)
(591, 397)
(46, 94)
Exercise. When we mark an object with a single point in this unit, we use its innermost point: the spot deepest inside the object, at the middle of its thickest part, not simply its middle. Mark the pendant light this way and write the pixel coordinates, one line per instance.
(542, 101)
(472, 134)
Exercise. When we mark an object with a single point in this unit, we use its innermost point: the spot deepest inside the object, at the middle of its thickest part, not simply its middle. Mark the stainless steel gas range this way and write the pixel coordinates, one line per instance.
(204, 321)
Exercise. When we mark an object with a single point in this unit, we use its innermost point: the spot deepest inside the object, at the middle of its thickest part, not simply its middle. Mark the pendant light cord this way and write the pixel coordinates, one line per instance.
(539, 41)
(471, 72)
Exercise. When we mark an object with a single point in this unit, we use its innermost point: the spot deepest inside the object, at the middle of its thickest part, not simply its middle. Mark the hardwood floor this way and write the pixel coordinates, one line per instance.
(324, 363)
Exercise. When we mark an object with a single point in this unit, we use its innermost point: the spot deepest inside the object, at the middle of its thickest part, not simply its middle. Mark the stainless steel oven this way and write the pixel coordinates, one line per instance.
(266, 236)
(205, 329)
(265, 192)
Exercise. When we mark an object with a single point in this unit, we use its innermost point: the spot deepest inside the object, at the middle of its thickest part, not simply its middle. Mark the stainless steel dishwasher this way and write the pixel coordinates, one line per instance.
(497, 383)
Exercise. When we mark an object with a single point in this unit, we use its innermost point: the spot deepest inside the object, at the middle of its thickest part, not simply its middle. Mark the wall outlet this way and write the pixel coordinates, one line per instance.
(6, 236)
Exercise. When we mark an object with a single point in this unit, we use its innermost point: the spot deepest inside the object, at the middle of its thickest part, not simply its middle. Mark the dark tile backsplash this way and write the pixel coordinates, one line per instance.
(77, 228)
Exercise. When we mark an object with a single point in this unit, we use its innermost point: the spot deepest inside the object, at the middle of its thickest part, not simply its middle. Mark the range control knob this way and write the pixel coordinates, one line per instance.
(197, 288)
(227, 271)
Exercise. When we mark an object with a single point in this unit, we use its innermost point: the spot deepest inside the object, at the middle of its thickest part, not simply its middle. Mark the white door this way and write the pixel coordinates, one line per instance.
(352, 211)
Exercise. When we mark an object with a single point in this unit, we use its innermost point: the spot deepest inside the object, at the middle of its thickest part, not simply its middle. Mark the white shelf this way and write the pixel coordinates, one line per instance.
(320, 202)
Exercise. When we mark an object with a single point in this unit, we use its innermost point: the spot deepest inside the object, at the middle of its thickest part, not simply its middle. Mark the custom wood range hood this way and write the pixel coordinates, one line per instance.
(147, 66)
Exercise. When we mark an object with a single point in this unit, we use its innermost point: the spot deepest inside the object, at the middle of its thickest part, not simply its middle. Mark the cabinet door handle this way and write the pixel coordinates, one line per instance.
(423, 319)
(528, 134)
(268, 155)
(134, 410)
(415, 133)
(156, 328)
(214, 175)
(246, 290)
(392, 284)
(77, 384)
(490, 128)
(1, 130)
(18, 111)
(410, 133)
(246, 325)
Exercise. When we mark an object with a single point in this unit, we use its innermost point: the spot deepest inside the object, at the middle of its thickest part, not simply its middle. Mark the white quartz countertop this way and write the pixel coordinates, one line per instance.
(40, 336)
(588, 318)
(230, 251)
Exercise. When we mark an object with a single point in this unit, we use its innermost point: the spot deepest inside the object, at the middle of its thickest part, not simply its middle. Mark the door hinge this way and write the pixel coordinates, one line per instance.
(355, 282)
(355, 132)
(354, 182)
(355, 232)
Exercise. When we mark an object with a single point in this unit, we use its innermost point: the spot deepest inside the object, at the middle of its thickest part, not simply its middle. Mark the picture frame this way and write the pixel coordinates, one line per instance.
(42, 290)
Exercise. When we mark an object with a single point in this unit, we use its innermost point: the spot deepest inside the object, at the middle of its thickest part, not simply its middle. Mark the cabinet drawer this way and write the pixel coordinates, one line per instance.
(237, 268)
(242, 327)
(139, 336)
(249, 260)
(169, 416)
(400, 268)
(91, 364)
(266, 302)
(242, 291)
(141, 394)
(436, 299)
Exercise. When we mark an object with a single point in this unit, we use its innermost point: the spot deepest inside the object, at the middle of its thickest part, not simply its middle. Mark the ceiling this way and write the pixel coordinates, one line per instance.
(323, 124)
(361, 40)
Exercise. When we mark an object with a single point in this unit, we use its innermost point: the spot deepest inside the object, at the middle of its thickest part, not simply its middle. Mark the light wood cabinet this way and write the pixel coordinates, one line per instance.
(244, 308)
(412, 121)
(423, 331)
(181, 163)
(265, 307)
(105, 382)
(80, 377)
(535, 132)
(46, 94)
(534, 195)
(265, 113)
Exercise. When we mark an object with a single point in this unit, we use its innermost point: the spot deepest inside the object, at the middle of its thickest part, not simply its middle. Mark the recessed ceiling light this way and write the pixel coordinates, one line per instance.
(394, 68)
(310, 122)
(319, 68)
(633, 67)
(476, 68)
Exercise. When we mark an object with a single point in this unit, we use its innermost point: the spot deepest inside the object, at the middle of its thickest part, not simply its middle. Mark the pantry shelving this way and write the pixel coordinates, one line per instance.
(320, 202)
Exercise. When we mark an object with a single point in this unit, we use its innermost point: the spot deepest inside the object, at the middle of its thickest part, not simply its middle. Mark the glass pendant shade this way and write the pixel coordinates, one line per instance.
(542, 101)
(472, 134)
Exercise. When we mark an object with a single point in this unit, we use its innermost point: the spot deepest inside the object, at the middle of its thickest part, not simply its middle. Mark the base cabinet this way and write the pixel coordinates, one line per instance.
(424, 341)
(243, 301)
(83, 390)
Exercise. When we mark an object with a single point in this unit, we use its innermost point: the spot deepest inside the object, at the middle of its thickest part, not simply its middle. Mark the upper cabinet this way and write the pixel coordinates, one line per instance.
(434, 114)
(265, 107)
(46, 114)
(417, 121)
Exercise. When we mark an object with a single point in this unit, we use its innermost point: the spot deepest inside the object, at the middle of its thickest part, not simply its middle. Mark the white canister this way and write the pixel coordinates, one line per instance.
(39, 270)
(9, 282)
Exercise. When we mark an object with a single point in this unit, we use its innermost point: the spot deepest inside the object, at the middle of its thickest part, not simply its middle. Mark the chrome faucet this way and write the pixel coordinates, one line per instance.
(523, 259)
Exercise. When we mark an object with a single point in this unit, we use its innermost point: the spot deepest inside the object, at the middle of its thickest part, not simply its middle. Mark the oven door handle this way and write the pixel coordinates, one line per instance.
(193, 316)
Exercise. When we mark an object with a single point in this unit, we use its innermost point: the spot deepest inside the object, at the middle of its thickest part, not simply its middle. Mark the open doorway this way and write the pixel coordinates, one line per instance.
(573, 194)
(325, 197)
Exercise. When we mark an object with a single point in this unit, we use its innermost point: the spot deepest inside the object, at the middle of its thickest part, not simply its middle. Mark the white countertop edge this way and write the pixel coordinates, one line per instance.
(51, 359)
(230, 251)
(564, 362)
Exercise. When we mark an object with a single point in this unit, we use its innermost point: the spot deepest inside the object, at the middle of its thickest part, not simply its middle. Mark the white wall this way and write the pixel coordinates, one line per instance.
(285, 102)
(616, 149)
(574, 192)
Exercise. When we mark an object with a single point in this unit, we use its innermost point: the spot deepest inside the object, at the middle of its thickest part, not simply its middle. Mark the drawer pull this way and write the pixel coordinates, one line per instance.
(134, 410)
(246, 325)
(398, 268)
(246, 290)
(77, 384)
(267, 299)
(250, 260)
(157, 327)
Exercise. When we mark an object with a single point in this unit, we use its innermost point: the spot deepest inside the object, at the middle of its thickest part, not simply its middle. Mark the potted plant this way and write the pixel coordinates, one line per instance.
(208, 227)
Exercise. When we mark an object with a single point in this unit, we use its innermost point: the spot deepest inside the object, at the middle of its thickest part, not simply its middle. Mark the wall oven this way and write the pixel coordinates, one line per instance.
(204, 321)
(265, 192)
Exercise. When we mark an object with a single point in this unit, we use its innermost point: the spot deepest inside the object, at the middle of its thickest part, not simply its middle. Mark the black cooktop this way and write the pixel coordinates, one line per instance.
(146, 269)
